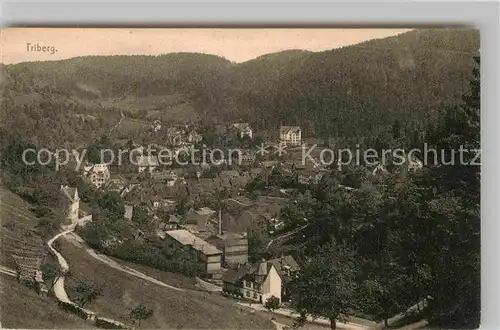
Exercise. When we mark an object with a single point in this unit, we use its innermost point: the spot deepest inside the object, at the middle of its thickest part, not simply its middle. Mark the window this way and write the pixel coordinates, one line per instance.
(248, 294)
(254, 295)
(257, 287)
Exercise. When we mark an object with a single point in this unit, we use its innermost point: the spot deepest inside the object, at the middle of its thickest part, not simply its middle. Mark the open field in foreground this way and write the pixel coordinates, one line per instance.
(172, 309)
(22, 308)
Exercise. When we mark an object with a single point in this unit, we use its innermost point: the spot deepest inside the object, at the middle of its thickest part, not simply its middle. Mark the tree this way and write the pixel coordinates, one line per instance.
(86, 293)
(141, 313)
(298, 212)
(114, 204)
(454, 213)
(49, 271)
(326, 285)
(272, 303)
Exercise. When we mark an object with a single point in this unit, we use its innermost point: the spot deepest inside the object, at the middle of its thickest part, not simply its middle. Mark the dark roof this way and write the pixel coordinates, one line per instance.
(284, 261)
(234, 275)
(201, 221)
(257, 271)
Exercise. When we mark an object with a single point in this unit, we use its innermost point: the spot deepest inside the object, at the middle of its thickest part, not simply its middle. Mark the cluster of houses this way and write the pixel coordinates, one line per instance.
(219, 238)
(225, 256)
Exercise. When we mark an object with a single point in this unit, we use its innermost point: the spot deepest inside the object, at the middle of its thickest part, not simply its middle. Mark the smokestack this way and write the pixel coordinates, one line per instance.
(220, 221)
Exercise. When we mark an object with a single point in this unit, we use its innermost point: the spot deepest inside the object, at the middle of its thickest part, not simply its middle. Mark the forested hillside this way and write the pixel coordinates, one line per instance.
(354, 91)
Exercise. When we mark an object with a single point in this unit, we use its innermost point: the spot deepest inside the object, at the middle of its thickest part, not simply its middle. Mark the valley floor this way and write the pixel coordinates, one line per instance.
(172, 308)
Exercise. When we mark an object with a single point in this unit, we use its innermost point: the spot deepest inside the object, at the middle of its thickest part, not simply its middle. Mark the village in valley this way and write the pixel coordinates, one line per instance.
(227, 212)
(212, 209)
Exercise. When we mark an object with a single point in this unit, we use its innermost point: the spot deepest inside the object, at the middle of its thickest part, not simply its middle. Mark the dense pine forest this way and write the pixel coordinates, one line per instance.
(355, 91)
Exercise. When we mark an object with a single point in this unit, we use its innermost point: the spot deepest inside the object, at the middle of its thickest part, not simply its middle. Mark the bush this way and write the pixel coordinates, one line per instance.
(272, 303)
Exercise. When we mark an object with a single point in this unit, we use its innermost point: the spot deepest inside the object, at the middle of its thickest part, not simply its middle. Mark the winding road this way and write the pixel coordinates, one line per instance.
(319, 320)
(79, 242)
(284, 236)
(58, 286)
(7, 271)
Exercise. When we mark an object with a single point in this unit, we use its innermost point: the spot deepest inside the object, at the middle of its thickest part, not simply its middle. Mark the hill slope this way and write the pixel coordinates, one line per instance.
(22, 308)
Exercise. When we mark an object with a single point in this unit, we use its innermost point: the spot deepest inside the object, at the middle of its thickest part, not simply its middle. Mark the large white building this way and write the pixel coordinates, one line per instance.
(97, 174)
(290, 135)
(75, 215)
(257, 282)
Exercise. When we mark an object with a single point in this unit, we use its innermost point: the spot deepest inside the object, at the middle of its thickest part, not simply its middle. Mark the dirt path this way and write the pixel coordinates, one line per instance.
(284, 236)
(7, 271)
(58, 286)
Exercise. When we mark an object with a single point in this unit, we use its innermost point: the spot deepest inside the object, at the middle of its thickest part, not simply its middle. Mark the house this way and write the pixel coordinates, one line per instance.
(290, 135)
(74, 203)
(156, 202)
(247, 157)
(156, 125)
(97, 174)
(234, 247)
(76, 216)
(198, 222)
(129, 210)
(194, 137)
(243, 130)
(172, 223)
(209, 255)
(286, 266)
(146, 163)
(380, 172)
(257, 282)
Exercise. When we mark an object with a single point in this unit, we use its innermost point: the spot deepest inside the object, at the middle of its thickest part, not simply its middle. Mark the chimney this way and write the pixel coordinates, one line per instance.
(220, 221)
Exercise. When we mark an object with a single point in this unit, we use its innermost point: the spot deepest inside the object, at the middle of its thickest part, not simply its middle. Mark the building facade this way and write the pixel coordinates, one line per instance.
(256, 282)
(74, 203)
(234, 247)
(97, 174)
(244, 130)
(209, 255)
(291, 135)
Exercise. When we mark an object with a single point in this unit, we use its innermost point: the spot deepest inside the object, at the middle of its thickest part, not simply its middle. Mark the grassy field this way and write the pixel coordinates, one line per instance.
(188, 283)
(174, 279)
(130, 129)
(162, 107)
(22, 308)
(172, 309)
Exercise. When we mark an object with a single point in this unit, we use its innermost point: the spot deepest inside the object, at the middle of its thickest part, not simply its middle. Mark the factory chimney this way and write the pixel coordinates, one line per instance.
(220, 221)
